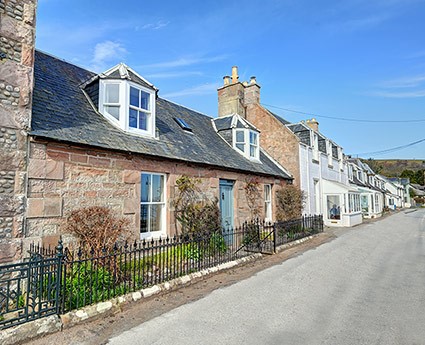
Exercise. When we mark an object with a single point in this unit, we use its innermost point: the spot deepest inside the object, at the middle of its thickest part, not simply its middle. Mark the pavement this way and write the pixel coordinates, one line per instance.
(364, 287)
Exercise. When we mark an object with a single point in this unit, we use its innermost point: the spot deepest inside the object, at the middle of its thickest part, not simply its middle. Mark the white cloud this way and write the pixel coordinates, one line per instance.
(405, 87)
(400, 94)
(404, 82)
(107, 52)
(357, 24)
(154, 26)
(166, 75)
(185, 61)
(204, 89)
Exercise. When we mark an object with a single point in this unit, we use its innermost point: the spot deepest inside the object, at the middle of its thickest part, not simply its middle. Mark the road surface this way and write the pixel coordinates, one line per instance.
(365, 287)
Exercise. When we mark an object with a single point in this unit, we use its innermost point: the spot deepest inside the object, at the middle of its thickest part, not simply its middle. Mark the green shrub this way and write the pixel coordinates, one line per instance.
(217, 244)
(86, 284)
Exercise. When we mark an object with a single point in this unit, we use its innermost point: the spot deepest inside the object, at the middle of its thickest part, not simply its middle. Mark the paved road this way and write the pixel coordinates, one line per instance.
(365, 287)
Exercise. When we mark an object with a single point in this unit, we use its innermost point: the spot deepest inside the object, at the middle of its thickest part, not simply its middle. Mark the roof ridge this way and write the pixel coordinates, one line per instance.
(63, 60)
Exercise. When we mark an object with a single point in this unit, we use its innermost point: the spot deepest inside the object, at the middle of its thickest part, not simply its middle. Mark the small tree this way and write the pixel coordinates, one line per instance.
(289, 203)
(97, 227)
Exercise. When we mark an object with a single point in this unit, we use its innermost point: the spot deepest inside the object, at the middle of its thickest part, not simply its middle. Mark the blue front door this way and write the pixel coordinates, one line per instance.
(226, 203)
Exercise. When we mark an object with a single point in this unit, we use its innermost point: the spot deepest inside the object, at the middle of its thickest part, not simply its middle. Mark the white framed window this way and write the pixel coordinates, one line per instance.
(246, 141)
(377, 208)
(315, 146)
(268, 202)
(333, 204)
(152, 205)
(240, 139)
(350, 172)
(111, 101)
(354, 203)
(140, 109)
(128, 105)
(253, 144)
(329, 152)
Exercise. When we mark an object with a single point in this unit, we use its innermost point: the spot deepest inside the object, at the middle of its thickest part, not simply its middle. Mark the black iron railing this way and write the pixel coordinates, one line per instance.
(58, 280)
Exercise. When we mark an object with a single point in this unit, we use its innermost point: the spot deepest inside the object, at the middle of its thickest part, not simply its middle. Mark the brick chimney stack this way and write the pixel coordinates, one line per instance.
(313, 124)
(252, 92)
(234, 96)
(231, 96)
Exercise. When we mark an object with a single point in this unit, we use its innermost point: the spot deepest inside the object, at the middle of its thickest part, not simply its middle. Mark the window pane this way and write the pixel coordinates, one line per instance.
(253, 138)
(267, 192)
(112, 93)
(113, 111)
(252, 151)
(240, 147)
(133, 118)
(134, 97)
(143, 121)
(156, 217)
(334, 208)
(240, 137)
(157, 188)
(145, 101)
(146, 187)
(144, 217)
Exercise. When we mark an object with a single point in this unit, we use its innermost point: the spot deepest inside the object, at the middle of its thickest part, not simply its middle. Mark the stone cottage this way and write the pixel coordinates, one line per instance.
(72, 139)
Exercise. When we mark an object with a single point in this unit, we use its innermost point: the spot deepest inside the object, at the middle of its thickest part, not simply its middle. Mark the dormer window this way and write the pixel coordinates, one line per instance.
(240, 134)
(139, 112)
(253, 144)
(315, 146)
(127, 100)
(111, 103)
(240, 140)
(246, 141)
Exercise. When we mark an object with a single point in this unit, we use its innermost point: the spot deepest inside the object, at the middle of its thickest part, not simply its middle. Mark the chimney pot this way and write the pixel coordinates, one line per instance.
(245, 83)
(253, 80)
(226, 80)
(235, 76)
(313, 124)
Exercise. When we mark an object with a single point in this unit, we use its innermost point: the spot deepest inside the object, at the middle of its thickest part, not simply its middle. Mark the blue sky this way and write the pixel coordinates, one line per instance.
(356, 59)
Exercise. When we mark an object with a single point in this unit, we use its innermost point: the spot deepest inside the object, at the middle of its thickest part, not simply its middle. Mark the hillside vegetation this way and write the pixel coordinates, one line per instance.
(395, 167)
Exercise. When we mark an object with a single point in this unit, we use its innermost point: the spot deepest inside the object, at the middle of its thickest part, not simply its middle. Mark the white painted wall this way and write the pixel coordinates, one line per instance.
(311, 171)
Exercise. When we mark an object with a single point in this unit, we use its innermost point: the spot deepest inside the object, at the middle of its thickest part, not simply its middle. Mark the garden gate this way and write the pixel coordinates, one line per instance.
(29, 290)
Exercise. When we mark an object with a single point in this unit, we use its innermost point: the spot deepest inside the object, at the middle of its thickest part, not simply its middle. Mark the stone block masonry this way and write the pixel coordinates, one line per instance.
(17, 32)
(13, 8)
(9, 95)
(63, 178)
(11, 48)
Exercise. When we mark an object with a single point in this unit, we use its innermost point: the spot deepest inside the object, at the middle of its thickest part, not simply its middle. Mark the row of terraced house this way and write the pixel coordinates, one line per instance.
(71, 138)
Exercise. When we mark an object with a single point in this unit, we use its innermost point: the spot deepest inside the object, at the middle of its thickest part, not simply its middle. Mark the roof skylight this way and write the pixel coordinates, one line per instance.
(183, 124)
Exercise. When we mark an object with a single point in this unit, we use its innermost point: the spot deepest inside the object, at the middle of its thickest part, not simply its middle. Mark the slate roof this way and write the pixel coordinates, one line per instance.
(280, 119)
(232, 121)
(61, 111)
(301, 132)
(223, 123)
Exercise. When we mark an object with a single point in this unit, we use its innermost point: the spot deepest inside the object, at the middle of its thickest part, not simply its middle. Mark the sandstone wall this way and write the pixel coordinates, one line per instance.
(277, 140)
(62, 178)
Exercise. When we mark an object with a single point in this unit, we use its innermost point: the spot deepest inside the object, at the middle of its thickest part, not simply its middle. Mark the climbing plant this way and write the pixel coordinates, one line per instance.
(289, 203)
(253, 195)
(193, 210)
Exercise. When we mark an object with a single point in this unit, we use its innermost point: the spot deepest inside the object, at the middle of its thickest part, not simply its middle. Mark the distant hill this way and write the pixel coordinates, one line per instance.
(394, 167)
